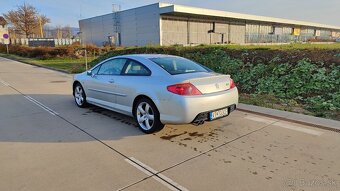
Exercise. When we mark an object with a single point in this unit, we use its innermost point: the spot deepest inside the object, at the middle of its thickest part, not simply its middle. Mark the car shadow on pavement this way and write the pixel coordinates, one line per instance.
(56, 118)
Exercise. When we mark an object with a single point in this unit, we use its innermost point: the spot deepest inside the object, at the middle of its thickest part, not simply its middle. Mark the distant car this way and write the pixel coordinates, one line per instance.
(337, 40)
(157, 90)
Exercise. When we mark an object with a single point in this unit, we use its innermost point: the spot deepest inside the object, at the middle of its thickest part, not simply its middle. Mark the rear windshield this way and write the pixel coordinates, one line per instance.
(178, 65)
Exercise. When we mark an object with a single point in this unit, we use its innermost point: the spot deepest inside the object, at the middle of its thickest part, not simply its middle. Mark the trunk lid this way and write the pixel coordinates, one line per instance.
(210, 82)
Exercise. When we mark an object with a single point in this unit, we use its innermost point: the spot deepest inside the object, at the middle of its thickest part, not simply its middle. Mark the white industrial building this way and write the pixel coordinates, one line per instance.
(169, 24)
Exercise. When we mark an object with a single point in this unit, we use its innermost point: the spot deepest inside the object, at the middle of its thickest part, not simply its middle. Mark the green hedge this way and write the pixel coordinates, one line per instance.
(72, 51)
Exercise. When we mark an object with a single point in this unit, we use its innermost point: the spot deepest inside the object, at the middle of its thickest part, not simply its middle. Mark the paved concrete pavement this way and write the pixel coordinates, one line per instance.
(47, 143)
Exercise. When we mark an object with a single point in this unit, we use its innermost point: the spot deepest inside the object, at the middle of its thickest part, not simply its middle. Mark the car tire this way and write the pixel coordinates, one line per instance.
(79, 96)
(147, 116)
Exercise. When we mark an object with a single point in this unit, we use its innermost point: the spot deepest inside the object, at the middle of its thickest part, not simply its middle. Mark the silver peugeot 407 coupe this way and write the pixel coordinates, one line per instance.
(157, 90)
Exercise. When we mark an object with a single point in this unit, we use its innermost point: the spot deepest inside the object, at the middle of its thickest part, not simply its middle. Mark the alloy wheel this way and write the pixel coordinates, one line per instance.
(79, 95)
(145, 116)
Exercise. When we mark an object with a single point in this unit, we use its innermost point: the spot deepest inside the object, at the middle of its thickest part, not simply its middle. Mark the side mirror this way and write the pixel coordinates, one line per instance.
(89, 73)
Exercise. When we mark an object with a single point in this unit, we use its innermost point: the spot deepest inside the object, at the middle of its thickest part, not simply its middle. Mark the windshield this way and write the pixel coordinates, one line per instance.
(178, 65)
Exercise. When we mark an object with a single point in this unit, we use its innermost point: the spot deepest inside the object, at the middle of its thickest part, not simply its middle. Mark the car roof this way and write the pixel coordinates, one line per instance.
(147, 56)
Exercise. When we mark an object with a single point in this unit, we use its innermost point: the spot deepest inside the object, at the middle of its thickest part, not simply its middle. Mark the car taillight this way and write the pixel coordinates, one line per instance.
(185, 89)
(232, 84)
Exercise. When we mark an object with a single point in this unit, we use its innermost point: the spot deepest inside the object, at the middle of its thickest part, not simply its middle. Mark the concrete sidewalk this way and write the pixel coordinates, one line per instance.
(293, 117)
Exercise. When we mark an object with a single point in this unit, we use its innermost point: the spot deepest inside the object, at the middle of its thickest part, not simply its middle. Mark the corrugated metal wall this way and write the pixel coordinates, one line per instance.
(194, 31)
(221, 28)
(325, 34)
(177, 30)
(140, 26)
(198, 32)
(97, 29)
(237, 33)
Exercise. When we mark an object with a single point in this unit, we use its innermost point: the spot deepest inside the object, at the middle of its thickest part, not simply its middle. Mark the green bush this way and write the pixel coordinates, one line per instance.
(42, 52)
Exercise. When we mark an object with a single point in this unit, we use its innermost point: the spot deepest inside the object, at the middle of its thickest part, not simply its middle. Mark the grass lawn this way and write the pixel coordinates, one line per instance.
(70, 65)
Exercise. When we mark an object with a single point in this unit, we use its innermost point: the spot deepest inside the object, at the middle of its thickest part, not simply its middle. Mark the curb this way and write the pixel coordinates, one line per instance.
(321, 123)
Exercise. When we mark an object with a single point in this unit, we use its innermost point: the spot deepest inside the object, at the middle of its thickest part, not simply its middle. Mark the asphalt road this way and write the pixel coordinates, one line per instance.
(48, 143)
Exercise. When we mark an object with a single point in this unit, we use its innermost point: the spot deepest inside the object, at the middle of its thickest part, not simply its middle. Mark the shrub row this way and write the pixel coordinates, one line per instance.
(52, 52)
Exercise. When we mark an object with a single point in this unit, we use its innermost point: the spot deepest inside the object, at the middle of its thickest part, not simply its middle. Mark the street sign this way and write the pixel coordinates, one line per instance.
(6, 41)
(5, 38)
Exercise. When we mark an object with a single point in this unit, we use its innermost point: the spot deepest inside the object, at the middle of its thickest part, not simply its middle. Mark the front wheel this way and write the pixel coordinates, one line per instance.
(147, 116)
(79, 96)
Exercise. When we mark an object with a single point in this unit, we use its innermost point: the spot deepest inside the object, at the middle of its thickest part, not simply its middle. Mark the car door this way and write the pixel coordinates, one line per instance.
(89, 82)
(101, 87)
(133, 76)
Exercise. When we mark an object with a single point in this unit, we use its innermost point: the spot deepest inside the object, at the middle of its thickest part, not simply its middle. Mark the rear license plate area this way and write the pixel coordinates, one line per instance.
(218, 114)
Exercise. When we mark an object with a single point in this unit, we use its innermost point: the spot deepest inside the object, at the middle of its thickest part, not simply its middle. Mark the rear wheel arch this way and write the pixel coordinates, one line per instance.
(150, 114)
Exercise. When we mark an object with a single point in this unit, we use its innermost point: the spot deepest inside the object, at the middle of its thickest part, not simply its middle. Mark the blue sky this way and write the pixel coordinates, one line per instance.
(68, 12)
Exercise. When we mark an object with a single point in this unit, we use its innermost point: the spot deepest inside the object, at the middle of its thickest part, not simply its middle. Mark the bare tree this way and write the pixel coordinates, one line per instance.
(62, 32)
(2, 21)
(58, 31)
(25, 19)
(67, 33)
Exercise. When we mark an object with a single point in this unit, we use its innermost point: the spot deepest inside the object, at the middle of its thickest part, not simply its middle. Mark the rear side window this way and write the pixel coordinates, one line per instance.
(135, 68)
(178, 65)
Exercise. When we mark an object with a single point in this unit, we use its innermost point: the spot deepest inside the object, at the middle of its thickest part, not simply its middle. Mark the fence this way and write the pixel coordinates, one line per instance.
(57, 42)
(285, 38)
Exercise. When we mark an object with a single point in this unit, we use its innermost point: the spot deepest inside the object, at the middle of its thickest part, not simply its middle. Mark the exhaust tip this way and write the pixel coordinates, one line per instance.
(198, 123)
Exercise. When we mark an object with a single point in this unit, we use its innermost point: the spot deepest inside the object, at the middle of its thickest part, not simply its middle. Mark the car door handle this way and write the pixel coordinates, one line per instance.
(111, 81)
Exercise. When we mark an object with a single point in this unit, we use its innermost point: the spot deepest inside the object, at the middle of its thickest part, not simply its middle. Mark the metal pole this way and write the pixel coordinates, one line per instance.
(84, 46)
(86, 59)
(41, 29)
(7, 48)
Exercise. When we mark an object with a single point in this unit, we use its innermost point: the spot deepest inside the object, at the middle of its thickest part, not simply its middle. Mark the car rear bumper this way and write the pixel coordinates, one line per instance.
(204, 116)
(185, 109)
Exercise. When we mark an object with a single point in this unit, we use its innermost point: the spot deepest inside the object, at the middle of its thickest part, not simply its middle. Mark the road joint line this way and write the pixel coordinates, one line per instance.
(4, 83)
(41, 105)
(155, 175)
(29, 98)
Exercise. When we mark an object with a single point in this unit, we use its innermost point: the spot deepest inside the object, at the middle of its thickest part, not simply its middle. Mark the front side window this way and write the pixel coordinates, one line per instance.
(95, 70)
(136, 69)
(178, 65)
(112, 67)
